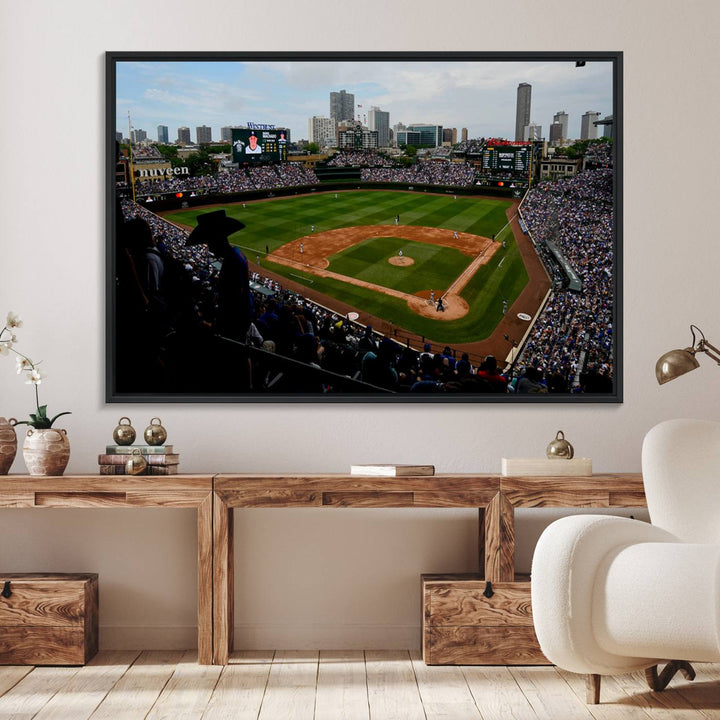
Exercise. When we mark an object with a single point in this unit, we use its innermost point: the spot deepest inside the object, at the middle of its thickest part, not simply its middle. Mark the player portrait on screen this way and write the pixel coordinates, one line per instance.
(253, 148)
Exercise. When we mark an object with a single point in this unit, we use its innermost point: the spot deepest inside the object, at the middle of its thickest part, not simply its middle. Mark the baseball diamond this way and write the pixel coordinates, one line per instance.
(348, 252)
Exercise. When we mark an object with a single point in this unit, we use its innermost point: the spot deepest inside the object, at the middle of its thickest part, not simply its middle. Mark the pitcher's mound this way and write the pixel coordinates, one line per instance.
(402, 261)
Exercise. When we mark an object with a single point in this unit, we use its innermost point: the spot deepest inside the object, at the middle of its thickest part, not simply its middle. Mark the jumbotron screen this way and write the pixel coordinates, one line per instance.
(256, 146)
(507, 158)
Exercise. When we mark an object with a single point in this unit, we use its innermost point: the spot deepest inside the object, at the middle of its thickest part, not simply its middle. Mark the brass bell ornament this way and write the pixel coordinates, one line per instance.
(124, 433)
(136, 463)
(560, 448)
(155, 433)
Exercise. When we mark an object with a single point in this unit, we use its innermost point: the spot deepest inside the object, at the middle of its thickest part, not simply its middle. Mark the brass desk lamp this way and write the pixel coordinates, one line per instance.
(677, 362)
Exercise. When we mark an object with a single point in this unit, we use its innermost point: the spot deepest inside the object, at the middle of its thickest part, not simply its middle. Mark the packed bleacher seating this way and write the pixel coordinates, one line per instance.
(262, 177)
(572, 340)
(359, 158)
(598, 155)
(424, 173)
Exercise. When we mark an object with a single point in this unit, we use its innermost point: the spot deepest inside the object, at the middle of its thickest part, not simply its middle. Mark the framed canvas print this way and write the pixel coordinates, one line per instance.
(385, 227)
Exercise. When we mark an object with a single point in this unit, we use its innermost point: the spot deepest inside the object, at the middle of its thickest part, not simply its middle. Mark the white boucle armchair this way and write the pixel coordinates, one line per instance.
(613, 595)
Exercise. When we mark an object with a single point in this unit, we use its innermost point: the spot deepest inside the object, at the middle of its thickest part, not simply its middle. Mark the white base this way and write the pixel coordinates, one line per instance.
(547, 467)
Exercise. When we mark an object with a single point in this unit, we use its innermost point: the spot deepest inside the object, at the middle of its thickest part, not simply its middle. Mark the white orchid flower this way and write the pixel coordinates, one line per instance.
(35, 377)
(23, 364)
(5, 346)
(13, 320)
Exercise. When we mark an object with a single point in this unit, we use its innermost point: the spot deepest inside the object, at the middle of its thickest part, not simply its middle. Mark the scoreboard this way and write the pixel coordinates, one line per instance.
(507, 158)
(259, 146)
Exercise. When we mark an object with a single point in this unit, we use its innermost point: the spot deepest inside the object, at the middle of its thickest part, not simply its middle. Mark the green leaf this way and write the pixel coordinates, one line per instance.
(42, 411)
(67, 412)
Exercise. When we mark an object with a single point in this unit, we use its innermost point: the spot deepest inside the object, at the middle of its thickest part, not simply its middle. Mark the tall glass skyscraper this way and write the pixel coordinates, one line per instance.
(562, 118)
(163, 134)
(522, 113)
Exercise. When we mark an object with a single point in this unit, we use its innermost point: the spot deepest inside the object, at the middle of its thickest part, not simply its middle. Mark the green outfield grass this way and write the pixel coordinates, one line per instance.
(272, 223)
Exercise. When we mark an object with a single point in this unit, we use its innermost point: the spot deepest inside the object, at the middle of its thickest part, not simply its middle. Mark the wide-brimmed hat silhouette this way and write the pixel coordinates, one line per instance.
(213, 225)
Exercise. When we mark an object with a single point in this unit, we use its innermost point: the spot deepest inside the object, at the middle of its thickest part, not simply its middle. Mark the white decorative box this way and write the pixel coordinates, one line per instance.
(549, 467)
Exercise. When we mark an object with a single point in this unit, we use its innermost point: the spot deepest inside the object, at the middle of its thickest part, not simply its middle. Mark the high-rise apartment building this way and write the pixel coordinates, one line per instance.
(203, 134)
(137, 136)
(464, 135)
(163, 134)
(342, 106)
(321, 130)
(184, 135)
(226, 132)
(556, 133)
(522, 111)
(379, 121)
(589, 131)
(562, 118)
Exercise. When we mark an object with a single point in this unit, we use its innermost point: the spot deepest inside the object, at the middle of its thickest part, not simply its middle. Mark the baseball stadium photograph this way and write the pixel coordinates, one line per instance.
(364, 227)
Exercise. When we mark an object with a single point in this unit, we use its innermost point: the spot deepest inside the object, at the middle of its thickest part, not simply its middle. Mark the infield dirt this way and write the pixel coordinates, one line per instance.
(311, 253)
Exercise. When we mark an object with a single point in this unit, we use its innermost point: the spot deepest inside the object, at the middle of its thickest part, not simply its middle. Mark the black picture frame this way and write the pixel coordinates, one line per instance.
(148, 359)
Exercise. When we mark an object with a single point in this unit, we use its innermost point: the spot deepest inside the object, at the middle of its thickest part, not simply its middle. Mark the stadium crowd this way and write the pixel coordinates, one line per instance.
(572, 340)
(233, 181)
(359, 158)
(425, 173)
(168, 291)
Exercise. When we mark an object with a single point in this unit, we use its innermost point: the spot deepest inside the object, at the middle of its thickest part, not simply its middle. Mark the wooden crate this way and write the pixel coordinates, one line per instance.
(48, 618)
(461, 626)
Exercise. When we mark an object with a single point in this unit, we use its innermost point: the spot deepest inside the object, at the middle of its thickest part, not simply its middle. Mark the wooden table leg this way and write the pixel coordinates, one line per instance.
(205, 580)
(223, 581)
(499, 544)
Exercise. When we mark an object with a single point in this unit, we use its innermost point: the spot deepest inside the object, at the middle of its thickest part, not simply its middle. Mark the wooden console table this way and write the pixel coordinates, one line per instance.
(215, 498)
(495, 497)
(104, 491)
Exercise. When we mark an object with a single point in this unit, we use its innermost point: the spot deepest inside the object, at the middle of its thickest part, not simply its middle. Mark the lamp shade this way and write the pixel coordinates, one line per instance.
(675, 363)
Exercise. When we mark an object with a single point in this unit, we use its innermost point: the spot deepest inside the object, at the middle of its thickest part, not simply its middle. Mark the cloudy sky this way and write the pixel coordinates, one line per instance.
(477, 95)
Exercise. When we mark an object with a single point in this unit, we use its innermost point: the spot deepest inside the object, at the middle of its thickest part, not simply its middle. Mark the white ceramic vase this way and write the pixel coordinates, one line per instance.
(46, 451)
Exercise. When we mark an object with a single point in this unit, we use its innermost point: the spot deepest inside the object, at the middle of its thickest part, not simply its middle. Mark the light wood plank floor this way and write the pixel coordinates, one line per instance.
(350, 685)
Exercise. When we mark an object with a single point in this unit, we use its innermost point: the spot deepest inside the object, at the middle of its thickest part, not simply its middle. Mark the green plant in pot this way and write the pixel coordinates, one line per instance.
(46, 449)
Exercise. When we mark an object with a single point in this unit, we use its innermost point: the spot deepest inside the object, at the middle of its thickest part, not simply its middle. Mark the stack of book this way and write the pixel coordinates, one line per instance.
(160, 459)
(392, 470)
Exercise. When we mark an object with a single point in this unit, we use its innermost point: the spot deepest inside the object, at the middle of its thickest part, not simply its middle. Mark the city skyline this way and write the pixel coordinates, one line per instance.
(479, 95)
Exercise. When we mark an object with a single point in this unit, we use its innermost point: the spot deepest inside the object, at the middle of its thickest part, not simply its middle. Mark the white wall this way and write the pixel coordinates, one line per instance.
(320, 577)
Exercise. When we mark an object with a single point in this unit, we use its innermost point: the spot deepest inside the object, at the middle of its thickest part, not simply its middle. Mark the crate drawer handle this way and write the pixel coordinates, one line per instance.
(488, 592)
(6, 592)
